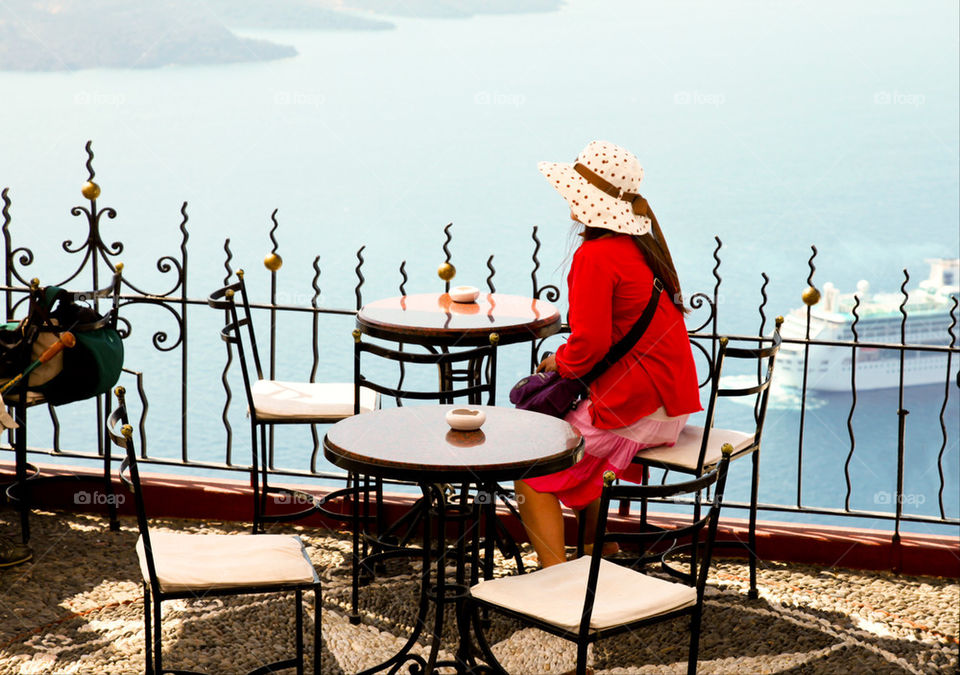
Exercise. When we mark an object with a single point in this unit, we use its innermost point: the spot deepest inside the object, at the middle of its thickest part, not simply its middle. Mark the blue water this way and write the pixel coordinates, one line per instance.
(772, 126)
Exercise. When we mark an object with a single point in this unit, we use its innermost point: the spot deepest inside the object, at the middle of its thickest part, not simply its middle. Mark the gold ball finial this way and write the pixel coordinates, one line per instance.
(119, 267)
(127, 431)
(34, 283)
(810, 296)
(120, 391)
(273, 262)
(609, 477)
(446, 271)
(779, 321)
(494, 338)
(90, 190)
(726, 449)
(356, 334)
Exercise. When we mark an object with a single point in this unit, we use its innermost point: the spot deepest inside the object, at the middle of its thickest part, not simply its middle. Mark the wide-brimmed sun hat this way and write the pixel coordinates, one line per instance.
(602, 188)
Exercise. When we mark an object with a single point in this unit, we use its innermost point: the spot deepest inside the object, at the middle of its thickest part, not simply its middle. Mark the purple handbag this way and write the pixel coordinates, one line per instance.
(547, 393)
(550, 394)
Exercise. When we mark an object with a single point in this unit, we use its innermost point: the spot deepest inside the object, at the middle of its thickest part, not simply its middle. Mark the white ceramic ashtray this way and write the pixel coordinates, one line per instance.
(464, 293)
(465, 419)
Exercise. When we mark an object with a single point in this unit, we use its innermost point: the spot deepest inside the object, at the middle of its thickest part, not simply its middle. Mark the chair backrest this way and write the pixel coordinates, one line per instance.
(477, 375)
(238, 322)
(762, 353)
(129, 472)
(663, 541)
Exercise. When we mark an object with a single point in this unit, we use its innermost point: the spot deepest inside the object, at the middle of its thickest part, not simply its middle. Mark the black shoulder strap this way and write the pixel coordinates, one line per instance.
(626, 343)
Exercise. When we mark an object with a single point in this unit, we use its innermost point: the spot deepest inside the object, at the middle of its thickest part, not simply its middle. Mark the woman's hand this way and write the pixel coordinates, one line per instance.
(548, 365)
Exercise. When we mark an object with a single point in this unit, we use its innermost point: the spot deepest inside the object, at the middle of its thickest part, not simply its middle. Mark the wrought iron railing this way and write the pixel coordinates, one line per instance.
(97, 258)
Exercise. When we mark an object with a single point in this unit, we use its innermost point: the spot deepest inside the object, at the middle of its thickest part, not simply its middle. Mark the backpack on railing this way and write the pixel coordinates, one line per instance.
(90, 367)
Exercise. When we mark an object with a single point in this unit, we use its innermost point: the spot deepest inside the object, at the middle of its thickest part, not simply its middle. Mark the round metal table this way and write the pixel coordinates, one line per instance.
(435, 319)
(416, 443)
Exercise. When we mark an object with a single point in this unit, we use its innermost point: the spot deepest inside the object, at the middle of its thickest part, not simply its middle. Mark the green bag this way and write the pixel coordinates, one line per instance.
(91, 367)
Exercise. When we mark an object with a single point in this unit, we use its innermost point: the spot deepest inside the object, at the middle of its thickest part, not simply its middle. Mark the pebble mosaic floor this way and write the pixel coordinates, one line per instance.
(77, 608)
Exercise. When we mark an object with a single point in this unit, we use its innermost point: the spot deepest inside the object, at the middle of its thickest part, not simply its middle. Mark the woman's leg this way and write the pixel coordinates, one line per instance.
(543, 521)
(590, 513)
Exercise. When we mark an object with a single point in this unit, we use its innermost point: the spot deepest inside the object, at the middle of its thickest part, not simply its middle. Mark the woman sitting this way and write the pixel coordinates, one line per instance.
(643, 399)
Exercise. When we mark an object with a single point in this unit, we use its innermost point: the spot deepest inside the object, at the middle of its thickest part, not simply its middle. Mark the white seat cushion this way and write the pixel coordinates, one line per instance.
(685, 453)
(274, 399)
(204, 561)
(555, 594)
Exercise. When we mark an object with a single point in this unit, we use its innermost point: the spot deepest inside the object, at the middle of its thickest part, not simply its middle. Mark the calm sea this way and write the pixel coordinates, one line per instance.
(771, 126)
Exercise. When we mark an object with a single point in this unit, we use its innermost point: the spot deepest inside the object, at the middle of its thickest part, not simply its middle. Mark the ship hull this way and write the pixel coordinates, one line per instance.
(833, 373)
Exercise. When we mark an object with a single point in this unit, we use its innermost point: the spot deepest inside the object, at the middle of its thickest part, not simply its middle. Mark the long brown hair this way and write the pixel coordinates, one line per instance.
(654, 248)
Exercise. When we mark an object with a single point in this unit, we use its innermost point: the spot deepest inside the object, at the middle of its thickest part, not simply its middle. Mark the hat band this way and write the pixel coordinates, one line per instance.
(638, 203)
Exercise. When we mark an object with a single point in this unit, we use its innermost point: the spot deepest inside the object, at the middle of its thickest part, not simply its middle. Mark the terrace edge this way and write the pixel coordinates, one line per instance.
(229, 500)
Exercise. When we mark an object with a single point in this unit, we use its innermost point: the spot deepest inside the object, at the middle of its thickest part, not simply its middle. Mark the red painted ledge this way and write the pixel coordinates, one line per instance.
(229, 500)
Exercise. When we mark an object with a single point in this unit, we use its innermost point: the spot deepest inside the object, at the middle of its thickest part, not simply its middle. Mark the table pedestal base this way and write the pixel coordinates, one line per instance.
(434, 586)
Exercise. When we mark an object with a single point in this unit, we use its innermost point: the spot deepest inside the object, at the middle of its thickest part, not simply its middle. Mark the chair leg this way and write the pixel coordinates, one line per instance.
(643, 502)
(465, 507)
(752, 534)
(298, 596)
(695, 544)
(317, 632)
(378, 524)
(694, 641)
(255, 477)
(157, 634)
(364, 487)
(582, 648)
(470, 609)
(464, 656)
(108, 486)
(147, 629)
(355, 547)
(381, 522)
(264, 470)
(20, 448)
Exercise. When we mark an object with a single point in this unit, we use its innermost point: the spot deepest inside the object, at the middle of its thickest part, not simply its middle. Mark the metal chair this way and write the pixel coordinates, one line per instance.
(21, 395)
(698, 448)
(273, 402)
(195, 566)
(465, 374)
(591, 598)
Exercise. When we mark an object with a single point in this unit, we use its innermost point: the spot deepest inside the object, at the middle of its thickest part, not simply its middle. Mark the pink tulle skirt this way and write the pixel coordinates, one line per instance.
(605, 450)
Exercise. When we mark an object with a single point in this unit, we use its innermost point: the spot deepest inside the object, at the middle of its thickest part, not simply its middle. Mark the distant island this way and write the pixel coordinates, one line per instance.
(42, 35)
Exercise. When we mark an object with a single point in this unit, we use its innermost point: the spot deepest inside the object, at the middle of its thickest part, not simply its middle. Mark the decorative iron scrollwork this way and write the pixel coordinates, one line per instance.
(360, 279)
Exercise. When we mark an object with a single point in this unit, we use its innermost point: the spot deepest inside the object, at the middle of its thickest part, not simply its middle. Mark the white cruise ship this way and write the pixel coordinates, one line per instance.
(829, 369)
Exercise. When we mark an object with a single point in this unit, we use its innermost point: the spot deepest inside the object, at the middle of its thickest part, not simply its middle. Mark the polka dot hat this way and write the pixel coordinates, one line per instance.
(600, 187)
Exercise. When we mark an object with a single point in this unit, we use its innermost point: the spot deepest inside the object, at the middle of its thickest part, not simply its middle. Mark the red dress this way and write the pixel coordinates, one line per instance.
(609, 286)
